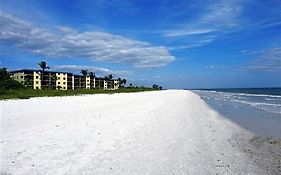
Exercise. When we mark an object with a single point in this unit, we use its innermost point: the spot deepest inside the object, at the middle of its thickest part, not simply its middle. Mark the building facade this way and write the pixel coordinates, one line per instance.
(37, 79)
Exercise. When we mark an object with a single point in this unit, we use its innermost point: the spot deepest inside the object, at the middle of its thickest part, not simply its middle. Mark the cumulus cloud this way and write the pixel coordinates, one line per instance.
(94, 45)
(269, 61)
(97, 70)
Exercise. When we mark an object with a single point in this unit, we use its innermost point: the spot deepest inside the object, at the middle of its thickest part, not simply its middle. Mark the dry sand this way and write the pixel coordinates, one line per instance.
(163, 132)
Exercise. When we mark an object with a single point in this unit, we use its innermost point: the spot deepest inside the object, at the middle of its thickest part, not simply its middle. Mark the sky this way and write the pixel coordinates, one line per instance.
(175, 44)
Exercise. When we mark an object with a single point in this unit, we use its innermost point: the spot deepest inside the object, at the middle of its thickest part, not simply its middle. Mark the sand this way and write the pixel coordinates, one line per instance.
(162, 132)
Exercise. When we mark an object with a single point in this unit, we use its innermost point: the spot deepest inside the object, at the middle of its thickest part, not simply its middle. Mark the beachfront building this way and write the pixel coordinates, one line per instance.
(36, 79)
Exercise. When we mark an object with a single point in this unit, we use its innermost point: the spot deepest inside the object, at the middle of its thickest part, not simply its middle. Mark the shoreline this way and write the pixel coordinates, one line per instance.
(264, 144)
(172, 131)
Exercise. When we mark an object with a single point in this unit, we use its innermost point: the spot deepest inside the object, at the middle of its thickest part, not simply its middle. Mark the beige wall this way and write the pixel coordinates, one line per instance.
(116, 84)
(88, 85)
(105, 84)
(72, 82)
(61, 81)
(18, 77)
(36, 80)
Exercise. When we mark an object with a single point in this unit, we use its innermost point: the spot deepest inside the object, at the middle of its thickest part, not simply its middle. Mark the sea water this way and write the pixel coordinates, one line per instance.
(256, 109)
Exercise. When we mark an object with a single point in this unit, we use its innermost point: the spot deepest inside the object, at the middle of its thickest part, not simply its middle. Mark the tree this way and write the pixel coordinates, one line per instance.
(92, 75)
(124, 81)
(109, 77)
(6, 82)
(43, 66)
(155, 86)
(84, 72)
(11, 84)
(160, 87)
(4, 74)
(131, 84)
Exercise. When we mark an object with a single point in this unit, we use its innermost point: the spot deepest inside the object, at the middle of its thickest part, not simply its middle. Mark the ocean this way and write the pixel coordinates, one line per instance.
(256, 109)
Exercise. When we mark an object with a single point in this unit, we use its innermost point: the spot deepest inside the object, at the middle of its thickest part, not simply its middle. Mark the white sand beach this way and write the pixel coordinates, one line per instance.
(156, 133)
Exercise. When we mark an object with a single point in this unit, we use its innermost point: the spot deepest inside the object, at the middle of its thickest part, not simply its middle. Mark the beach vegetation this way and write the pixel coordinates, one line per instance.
(25, 93)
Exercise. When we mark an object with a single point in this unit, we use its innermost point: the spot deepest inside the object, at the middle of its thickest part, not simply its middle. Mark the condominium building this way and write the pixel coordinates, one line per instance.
(36, 79)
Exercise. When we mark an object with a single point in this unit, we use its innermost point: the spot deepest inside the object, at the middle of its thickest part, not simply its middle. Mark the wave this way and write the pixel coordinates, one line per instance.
(272, 99)
(265, 102)
(257, 95)
(256, 103)
(242, 94)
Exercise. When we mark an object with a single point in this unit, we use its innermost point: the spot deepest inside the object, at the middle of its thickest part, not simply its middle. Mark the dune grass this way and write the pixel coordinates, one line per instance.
(29, 93)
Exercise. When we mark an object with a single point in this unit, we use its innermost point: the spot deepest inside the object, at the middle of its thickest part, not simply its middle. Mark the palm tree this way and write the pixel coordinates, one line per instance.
(155, 86)
(131, 84)
(119, 82)
(124, 81)
(92, 75)
(43, 66)
(109, 77)
(84, 72)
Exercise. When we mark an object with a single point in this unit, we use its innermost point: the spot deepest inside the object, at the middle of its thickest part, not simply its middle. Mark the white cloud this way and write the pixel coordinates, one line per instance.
(269, 61)
(97, 70)
(176, 33)
(215, 67)
(94, 45)
(223, 14)
(198, 43)
(217, 19)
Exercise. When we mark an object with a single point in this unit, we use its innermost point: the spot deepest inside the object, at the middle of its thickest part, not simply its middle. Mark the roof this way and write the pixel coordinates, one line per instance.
(38, 70)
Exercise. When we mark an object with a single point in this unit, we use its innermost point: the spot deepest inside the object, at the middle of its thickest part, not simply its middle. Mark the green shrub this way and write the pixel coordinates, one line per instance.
(11, 84)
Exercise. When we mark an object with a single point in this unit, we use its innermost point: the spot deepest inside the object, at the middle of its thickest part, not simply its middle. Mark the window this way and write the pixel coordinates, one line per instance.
(37, 87)
(22, 82)
(63, 78)
(58, 82)
(21, 76)
(88, 80)
(63, 87)
(37, 77)
(37, 82)
(63, 82)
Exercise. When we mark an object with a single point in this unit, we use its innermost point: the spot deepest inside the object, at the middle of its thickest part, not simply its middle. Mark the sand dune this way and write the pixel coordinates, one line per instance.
(163, 132)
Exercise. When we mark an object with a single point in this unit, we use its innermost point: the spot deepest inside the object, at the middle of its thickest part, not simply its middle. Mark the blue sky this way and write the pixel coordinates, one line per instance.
(176, 44)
